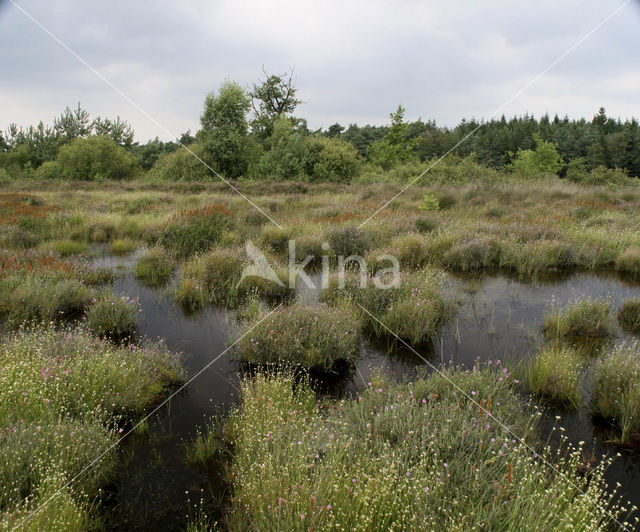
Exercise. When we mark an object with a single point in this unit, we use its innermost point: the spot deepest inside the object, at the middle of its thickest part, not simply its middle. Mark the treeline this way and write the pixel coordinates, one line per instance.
(254, 133)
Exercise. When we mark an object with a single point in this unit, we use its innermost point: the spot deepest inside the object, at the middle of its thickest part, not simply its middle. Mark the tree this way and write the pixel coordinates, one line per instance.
(271, 99)
(617, 147)
(224, 130)
(542, 161)
(73, 124)
(117, 130)
(394, 148)
(334, 130)
(331, 159)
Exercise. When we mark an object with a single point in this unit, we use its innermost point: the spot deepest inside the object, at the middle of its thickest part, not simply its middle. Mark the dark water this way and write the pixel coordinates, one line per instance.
(498, 318)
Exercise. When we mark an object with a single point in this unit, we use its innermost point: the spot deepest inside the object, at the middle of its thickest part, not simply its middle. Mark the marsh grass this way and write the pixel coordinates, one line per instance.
(555, 375)
(585, 324)
(42, 296)
(616, 391)
(154, 268)
(401, 457)
(113, 317)
(63, 393)
(64, 248)
(123, 246)
(215, 278)
(196, 230)
(629, 262)
(629, 315)
(413, 311)
(316, 337)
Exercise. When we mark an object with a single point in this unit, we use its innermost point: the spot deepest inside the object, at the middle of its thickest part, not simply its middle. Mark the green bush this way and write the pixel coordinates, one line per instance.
(555, 374)
(182, 165)
(629, 315)
(315, 337)
(96, 157)
(544, 160)
(331, 159)
(196, 230)
(113, 317)
(616, 390)
(155, 268)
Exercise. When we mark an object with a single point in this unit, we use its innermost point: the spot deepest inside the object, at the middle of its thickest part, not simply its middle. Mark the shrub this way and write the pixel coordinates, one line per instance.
(384, 462)
(331, 159)
(555, 374)
(64, 248)
(113, 317)
(581, 320)
(196, 230)
(123, 246)
(96, 157)
(181, 164)
(42, 297)
(629, 315)
(544, 160)
(316, 337)
(349, 240)
(155, 268)
(430, 203)
(629, 262)
(616, 390)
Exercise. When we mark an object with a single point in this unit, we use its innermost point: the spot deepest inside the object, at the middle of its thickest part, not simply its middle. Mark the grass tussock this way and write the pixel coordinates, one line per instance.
(629, 262)
(63, 393)
(555, 375)
(113, 317)
(316, 337)
(414, 310)
(400, 457)
(629, 315)
(616, 391)
(123, 246)
(154, 268)
(580, 321)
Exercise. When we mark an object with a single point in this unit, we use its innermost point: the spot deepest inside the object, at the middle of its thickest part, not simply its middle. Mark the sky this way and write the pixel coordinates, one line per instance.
(354, 61)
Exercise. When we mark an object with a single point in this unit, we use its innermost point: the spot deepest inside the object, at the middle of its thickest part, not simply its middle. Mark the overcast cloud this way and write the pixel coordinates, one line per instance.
(354, 60)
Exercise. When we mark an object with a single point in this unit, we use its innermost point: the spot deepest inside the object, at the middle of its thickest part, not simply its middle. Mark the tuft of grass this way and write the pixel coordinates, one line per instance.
(113, 317)
(42, 296)
(155, 268)
(629, 262)
(555, 375)
(629, 315)
(196, 230)
(399, 457)
(616, 391)
(588, 319)
(414, 310)
(411, 250)
(426, 224)
(349, 240)
(474, 256)
(316, 337)
(122, 246)
(64, 248)
(63, 393)
(216, 278)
